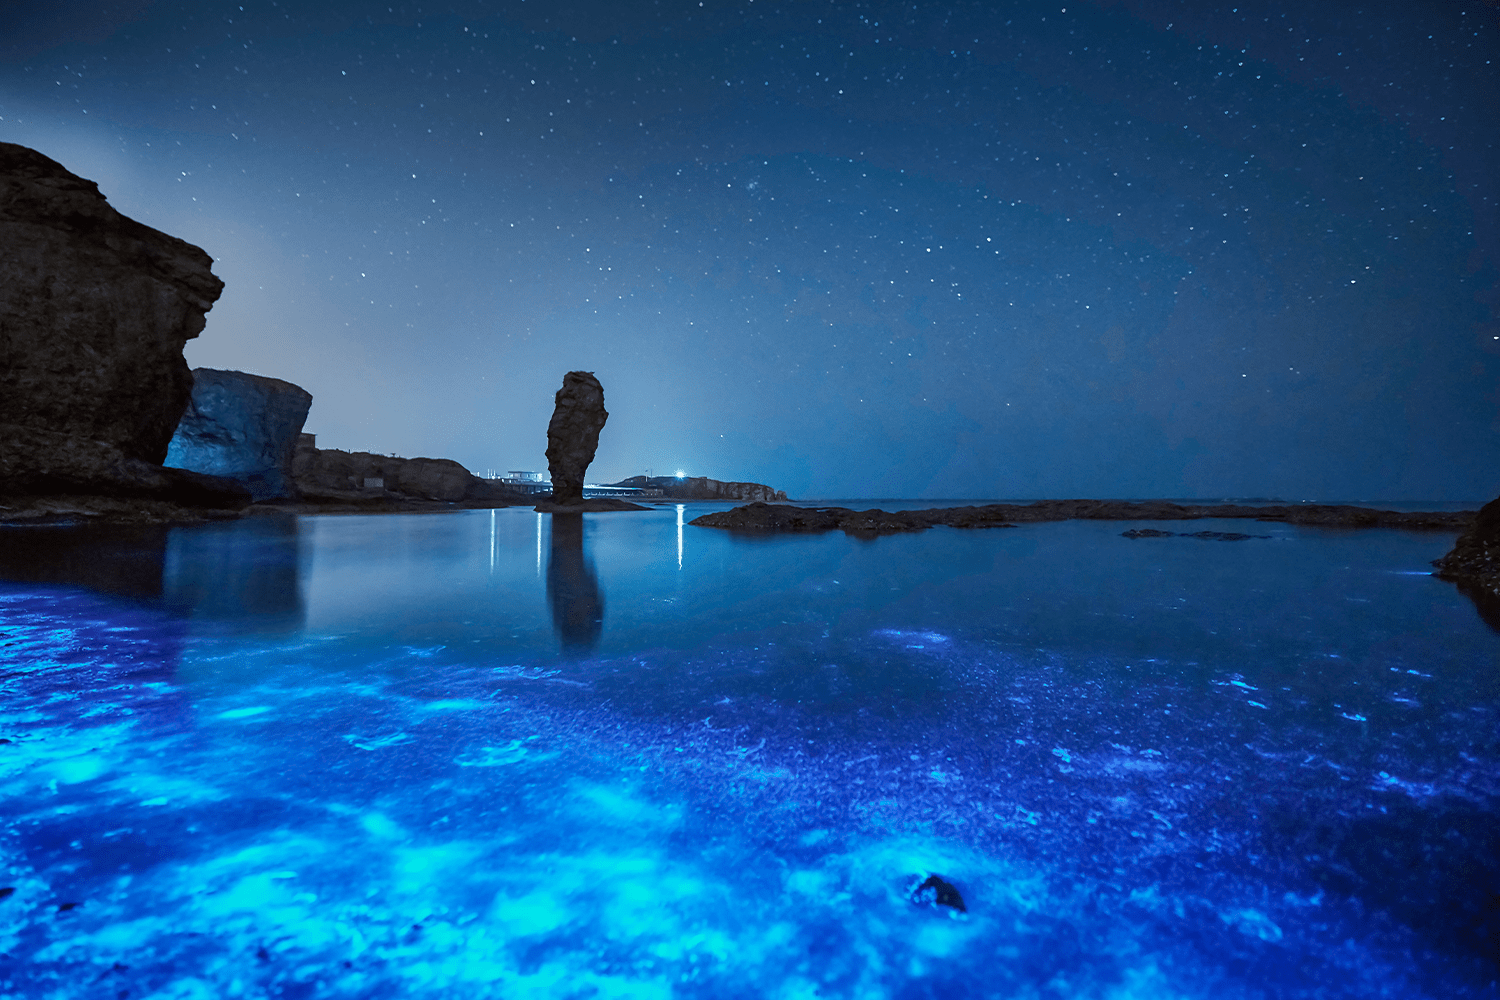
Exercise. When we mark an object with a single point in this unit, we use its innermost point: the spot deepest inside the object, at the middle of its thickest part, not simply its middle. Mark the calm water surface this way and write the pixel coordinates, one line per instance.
(502, 754)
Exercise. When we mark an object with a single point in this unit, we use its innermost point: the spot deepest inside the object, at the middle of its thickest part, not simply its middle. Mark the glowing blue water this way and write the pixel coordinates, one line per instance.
(389, 757)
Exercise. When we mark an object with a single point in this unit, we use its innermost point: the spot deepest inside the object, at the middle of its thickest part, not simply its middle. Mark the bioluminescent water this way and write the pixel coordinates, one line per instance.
(501, 754)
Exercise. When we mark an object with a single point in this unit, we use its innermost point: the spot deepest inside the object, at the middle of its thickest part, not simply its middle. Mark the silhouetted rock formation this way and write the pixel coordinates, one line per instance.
(703, 488)
(573, 434)
(94, 311)
(1474, 562)
(760, 517)
(243, 427)
(333, 476)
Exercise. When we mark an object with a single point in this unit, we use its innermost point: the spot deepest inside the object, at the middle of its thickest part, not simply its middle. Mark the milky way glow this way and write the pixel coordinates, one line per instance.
(383, 779)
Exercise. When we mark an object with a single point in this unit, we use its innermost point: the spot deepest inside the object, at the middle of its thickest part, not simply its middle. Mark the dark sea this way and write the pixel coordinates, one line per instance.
(511, 755)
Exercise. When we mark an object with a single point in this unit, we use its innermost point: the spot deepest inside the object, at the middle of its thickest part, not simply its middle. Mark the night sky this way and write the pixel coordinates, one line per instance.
(1116, 249)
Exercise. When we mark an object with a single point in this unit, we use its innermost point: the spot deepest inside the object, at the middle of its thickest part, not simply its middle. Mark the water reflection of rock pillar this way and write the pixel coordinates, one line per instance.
(573, 589)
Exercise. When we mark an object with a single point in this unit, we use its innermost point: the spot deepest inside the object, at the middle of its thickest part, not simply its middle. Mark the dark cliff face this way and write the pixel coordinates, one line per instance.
(573, 434)
(94, 311)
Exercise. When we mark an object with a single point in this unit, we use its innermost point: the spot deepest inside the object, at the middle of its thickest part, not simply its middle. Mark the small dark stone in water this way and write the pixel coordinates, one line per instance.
(4, 741)
(65, 907)
(943, 894)
(7, 891)
(1146, 533)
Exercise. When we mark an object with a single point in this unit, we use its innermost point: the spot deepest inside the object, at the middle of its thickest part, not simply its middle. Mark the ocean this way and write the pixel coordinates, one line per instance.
(504, 754)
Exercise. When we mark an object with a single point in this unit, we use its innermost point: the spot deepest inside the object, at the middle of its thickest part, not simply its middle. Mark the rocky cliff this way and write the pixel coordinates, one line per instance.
(244, 427)
(703, 488)
(94, 311)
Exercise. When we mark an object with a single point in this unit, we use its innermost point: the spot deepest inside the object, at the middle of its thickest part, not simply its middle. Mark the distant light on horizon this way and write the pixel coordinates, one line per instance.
(681, 474)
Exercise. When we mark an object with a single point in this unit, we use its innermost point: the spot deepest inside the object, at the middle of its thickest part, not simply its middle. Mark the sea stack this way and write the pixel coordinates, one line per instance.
(573, 434)
(94, 311)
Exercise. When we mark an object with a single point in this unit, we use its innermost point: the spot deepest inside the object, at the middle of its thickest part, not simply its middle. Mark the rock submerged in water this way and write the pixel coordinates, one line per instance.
(939, 892)
(94, 311)
(243, 427)
(573, 435)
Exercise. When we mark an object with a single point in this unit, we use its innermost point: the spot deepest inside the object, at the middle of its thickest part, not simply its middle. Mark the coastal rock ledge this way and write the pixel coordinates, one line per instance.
(761, 517)
(1474, 563)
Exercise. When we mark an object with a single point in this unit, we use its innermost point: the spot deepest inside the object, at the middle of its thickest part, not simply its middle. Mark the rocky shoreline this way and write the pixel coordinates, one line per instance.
(763, 517)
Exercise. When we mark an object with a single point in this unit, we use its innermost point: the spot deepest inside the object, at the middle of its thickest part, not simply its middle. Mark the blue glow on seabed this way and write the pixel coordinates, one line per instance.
(483, 754)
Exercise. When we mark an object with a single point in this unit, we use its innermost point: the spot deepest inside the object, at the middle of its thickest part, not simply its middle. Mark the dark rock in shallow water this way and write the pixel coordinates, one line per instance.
(94, 311)
(939, 893)
(760, 517)
(242, 427)
(1147, 533)
(1474, 562)
(573, 434)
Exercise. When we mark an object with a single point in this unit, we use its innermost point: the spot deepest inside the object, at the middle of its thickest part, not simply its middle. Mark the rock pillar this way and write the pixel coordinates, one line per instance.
(573, 434)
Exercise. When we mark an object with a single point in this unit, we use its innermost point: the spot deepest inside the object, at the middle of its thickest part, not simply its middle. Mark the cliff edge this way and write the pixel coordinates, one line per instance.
(94, 311)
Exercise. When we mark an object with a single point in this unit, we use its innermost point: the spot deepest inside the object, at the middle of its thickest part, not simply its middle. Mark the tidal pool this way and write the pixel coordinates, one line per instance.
(501, 754)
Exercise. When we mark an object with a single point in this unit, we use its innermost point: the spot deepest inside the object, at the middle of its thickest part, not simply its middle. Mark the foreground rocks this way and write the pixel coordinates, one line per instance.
(762, 517)
(1474, 563)
(703, 488)
(243, 427)
(573, 435)
(94, 311)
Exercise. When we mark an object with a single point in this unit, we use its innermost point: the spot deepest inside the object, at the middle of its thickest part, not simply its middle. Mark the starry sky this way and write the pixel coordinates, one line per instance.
(1121, 248)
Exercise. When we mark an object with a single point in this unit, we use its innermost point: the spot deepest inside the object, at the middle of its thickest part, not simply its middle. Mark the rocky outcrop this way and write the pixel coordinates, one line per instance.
(703, 488)
(1474, 562)
(243, 427)
(761, 517)
(336, 476)
(94, 311)
(573, 434)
